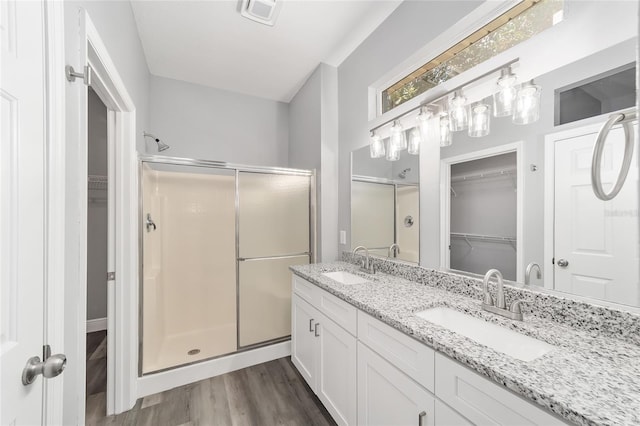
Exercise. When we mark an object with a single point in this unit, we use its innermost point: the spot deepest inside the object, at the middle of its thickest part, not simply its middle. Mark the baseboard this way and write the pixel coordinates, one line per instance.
(97, 324)
(160, 382)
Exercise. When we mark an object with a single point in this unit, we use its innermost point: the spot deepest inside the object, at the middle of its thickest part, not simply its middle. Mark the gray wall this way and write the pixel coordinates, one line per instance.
(409, 28)
(97, 212)
(313, 144)
(213, 124)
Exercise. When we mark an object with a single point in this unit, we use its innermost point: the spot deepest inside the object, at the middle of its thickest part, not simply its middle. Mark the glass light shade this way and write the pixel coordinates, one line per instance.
(393, 153)
(480, 120)
(527, 104)
(376, 146)
(504, 98)
(415, 139)
(445, 131)
(458, 117)
(423, 122)
(398, 138)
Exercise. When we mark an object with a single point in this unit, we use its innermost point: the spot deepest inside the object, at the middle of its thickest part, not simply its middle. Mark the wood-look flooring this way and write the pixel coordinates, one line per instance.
(267, 394)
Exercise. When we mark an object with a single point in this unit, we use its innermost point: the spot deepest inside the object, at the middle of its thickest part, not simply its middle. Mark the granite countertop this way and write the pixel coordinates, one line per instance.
(588, 379)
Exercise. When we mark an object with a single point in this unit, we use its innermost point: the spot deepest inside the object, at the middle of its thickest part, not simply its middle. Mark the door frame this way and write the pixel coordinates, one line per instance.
(445, 199)
(122, 198)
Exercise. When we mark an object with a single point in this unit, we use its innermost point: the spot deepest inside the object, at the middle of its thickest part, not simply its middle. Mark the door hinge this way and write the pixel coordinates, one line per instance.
(72, 74)
(111, 276)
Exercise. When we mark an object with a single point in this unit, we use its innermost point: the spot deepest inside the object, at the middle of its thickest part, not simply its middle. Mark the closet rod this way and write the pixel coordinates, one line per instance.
(480, 237)
(483, 175)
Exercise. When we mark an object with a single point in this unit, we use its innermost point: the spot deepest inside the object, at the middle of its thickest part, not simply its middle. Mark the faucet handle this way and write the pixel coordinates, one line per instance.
(516, 306)
(488, 300)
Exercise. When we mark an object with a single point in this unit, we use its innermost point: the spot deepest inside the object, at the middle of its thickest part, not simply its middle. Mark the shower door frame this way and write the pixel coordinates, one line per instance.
(237, 168)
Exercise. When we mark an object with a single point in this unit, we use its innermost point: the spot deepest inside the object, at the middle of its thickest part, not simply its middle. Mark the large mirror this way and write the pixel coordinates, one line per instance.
(385, 205)
(522, 194)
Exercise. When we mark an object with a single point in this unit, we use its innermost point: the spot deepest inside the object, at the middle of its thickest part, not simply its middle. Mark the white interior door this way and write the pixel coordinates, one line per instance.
(598, 239)
(22, 209)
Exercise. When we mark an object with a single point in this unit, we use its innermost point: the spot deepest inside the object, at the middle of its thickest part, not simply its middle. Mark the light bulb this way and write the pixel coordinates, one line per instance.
(527, 104)
(376, 146)
(480, 120)
(415, 139)
(398, 138)
(423, 122)
(458, 112)
(503, 99)
(445, 131)
(393, 153)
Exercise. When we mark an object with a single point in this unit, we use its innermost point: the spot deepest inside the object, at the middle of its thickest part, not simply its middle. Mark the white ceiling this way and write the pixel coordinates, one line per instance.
(210, 43)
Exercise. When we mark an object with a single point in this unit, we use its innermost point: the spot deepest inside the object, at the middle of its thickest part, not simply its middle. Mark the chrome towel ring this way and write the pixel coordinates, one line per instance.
(625, 119)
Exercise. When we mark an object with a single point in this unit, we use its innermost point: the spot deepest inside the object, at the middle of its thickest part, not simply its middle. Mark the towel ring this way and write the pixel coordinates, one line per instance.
(625, 119)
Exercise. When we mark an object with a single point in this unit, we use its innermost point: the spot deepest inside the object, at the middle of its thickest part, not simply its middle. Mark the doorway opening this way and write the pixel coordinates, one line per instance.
(97, 256)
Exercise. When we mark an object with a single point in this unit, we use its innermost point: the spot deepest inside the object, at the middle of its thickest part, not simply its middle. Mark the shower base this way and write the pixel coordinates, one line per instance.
(174, 349)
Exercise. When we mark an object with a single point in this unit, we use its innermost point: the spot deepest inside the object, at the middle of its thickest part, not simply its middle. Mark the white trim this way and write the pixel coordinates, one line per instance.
(480, 16)
(55, 207)
(160, 382)
(549, 195)
(445, 205)
(97, 324)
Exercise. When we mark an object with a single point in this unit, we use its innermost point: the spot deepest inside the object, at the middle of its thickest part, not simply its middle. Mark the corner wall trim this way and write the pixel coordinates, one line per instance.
(97, 324)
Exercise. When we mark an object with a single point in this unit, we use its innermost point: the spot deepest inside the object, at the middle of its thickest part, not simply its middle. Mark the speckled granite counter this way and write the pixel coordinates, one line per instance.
(590, 379)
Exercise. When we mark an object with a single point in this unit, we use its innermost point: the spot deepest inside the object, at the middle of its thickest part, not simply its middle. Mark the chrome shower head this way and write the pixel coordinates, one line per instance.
(161, 145)
(403, 174)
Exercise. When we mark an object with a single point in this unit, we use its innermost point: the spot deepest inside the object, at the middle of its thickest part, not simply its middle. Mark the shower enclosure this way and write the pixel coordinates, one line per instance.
(217, 242)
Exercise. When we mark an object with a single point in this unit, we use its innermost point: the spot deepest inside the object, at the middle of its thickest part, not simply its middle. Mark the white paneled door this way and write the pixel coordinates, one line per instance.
(596, 242)
(22, 209)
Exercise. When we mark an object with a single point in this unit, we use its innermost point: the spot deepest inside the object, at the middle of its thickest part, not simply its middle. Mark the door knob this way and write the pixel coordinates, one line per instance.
(51, 367)
(563, 263)
(150, 223)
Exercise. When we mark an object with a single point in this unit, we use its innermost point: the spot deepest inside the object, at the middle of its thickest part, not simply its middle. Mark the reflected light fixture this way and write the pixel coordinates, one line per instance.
(503, 99)
(480, 120)
(458, 117)
(393, 153)
(376, 146)
(415, 139)
(423, 121)
(445, 130)
(527, 104)
(398, 138)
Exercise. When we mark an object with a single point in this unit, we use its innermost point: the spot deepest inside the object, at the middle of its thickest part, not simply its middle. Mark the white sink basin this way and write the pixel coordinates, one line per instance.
(501, 339)
(345, 278)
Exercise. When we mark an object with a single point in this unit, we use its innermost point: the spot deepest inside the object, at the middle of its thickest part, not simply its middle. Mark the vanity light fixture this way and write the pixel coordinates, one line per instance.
(398, 139)
(376, 146)
(445, 131)
(480, 120)
(458, 115)
(393, 153)
(527, 104)
(423, 121)
(504, 98)
(415, 139)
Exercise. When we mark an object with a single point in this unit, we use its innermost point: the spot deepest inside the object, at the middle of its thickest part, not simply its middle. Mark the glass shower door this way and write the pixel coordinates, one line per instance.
(189, 265)
(273, 227)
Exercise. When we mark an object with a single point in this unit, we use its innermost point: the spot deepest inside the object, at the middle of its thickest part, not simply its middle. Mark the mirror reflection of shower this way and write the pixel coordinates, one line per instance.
(161, 145)
(403, 174)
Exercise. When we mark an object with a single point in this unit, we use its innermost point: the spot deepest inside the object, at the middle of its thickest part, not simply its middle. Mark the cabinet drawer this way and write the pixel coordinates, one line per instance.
(482, 401)
(342, 313)
(407, 354)
(304, 289)
(445, 416)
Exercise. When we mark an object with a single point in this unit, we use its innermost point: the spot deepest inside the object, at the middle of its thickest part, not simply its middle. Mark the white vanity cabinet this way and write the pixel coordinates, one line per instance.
(368, 373)
(325, 354)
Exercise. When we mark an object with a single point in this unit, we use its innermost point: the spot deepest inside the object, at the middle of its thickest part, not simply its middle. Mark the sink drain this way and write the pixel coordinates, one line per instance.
(193, 352)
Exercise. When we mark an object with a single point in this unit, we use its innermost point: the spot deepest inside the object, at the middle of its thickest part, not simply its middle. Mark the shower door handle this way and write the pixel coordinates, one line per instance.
(150, 223)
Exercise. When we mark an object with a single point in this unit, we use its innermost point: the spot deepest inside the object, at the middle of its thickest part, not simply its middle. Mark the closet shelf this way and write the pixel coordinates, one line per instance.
(487, 238)
(97, 182)
(483, 175)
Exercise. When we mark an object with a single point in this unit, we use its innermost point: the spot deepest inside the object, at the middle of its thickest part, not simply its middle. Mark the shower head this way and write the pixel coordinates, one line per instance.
(161, 145)
(403, 174)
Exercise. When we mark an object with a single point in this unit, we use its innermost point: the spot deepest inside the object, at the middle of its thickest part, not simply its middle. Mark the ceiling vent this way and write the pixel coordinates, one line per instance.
(263, 11)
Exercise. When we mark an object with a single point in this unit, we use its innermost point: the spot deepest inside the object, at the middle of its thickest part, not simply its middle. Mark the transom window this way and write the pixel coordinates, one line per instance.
(519, 23)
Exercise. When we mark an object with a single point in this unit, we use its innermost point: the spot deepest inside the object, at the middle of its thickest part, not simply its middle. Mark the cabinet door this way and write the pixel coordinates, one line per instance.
(387, 396)
(303, 340)
(336, 381)
(446, 416)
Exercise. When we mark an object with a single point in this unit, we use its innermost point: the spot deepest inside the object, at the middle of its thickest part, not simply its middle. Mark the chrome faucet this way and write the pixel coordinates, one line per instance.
(527, 274)
(499, 307)
(395, 249)
(367, 265)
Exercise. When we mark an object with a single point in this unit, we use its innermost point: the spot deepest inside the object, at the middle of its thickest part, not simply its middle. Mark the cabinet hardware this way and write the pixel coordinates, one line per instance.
(311, 325)
(316, 329)
(421, 417)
